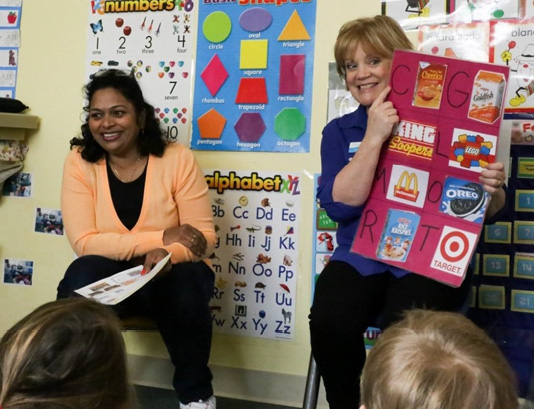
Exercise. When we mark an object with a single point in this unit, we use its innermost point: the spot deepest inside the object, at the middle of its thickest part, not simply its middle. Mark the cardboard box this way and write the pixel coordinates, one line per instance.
(13, 126)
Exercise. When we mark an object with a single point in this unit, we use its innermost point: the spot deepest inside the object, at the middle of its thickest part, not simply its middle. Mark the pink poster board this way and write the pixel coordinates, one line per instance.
(426, 208)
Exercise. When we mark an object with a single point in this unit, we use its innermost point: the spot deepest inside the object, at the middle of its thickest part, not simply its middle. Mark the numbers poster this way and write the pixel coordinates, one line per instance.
(426, 207)
(253, 81)
(153, 41)
(257, 219)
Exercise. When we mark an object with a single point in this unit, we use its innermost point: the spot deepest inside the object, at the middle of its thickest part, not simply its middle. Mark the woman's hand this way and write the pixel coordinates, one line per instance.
(154, 257)
(493, 177)
(187, 235)
(382, 118)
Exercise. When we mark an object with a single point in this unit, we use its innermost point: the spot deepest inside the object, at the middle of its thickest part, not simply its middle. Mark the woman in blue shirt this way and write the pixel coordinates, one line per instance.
(352, 292)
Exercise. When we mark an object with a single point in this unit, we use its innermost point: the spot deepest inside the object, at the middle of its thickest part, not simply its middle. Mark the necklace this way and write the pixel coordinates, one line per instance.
(134, 168)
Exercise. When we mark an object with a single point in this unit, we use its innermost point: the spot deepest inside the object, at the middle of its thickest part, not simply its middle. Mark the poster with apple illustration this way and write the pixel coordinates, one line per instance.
(153, 42)
(9, 46)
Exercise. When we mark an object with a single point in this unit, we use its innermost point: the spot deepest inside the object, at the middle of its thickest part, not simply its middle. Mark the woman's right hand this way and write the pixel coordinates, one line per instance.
(187, 235)
(382, 117)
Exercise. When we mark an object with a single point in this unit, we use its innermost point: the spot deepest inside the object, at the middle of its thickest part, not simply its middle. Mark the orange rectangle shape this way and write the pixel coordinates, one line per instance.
(429, 86)
(487, 96)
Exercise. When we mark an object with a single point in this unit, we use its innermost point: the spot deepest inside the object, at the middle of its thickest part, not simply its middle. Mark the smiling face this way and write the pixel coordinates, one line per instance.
(113, 122)
(366, 75)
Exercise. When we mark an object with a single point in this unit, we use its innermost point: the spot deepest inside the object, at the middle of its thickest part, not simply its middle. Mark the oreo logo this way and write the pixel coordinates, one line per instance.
(464, 199)
(467, 199)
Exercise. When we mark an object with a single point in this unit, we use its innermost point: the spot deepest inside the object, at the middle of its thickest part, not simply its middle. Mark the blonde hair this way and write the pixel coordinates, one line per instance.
(66, 354)
(379, 35)
(437, 360)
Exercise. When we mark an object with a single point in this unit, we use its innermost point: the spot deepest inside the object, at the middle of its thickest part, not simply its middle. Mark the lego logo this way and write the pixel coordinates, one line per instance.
(454, 246)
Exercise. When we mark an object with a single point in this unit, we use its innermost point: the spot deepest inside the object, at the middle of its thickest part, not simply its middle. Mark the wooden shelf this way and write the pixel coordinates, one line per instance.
(13, 126)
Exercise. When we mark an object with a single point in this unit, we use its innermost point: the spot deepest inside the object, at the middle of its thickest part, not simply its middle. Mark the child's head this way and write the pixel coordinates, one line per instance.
(437, 360)
(66, 354)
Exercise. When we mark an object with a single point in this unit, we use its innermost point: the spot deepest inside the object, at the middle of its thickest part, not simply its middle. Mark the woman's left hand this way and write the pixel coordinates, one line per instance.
(493, 177)
(187, 235)
(154, 257)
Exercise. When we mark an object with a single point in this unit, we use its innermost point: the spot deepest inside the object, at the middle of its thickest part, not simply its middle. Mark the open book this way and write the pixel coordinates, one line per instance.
(112, 290)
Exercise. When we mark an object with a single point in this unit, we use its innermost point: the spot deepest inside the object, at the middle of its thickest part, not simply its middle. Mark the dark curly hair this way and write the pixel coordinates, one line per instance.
(149, 141)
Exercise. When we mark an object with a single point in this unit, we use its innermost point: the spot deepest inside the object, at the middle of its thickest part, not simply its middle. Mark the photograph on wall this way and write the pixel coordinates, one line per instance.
(155, 46)
(414, 13)
(18, 272)
(513, 46)
(254, 77)
(469, 41)
(425, 210)
(257, 217)
(48, 221)
(18, 185)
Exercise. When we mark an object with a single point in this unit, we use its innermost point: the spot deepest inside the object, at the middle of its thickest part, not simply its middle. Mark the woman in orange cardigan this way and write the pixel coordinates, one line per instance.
(128, 198)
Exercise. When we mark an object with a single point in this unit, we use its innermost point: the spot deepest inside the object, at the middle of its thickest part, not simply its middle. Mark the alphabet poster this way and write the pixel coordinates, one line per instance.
(153, 41)
(254, 76)
(257, 219)
(426, 207)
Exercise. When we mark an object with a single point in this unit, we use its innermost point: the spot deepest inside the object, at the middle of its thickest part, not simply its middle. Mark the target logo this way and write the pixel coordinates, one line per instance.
(454, 251)
(454, 246)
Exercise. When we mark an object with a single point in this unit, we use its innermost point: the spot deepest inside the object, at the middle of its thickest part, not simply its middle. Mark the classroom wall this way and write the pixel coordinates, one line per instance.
(50, 78)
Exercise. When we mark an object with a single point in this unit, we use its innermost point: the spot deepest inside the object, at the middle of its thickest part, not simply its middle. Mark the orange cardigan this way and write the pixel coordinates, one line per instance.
(175, 193)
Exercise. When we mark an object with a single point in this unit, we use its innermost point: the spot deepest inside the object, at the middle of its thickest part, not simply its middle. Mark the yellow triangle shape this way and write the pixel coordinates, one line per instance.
(294, 29)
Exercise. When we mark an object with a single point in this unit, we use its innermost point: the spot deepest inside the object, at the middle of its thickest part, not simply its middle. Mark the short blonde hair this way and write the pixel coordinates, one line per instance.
(437, 360)
(380, 35)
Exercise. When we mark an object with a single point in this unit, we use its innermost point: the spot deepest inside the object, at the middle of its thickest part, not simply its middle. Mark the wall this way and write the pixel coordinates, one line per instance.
(51, 75)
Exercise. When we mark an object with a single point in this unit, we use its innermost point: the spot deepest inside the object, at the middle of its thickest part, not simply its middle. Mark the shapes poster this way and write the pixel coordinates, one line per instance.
(257, 219)
(152, 41)
(253, 85)
(425, 210)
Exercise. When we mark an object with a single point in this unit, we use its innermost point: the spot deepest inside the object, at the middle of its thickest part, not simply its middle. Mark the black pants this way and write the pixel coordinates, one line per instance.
(346, 303)
(179, 302)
